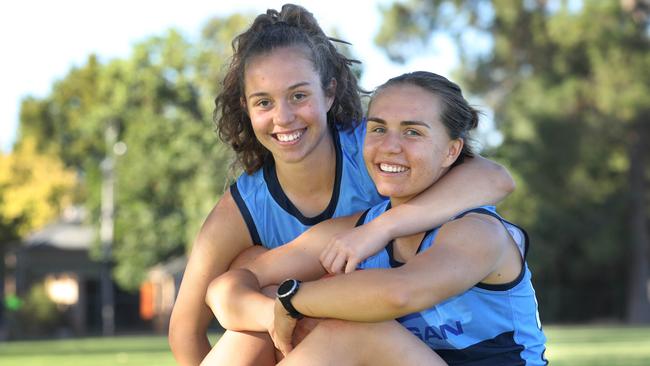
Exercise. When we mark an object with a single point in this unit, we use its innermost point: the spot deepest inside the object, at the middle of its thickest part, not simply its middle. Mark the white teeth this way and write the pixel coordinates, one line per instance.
(392, 168)
(284, 137)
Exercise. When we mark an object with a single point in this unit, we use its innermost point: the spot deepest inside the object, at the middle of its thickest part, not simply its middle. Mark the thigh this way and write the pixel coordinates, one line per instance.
(343, 343)
(241, 348)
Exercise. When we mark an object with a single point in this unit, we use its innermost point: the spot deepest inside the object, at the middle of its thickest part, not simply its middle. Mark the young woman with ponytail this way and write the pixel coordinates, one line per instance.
(290, 109)
(457, 294)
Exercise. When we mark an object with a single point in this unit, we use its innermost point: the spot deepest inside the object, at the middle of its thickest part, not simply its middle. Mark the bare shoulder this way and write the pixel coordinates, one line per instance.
(475, 229)
(224, 233)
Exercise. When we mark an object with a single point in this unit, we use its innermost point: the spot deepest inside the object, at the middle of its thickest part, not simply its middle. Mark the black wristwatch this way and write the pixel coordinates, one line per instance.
(286, 291)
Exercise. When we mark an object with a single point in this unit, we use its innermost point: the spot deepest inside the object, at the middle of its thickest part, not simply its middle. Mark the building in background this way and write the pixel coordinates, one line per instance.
(57, 260)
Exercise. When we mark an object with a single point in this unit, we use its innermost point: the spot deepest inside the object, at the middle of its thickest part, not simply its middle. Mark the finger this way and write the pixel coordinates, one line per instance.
(328, 260)
(339, 263)
(325, 254)
(351, 265)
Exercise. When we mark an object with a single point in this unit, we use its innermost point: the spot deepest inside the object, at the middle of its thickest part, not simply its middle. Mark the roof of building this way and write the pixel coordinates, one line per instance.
(68, 233)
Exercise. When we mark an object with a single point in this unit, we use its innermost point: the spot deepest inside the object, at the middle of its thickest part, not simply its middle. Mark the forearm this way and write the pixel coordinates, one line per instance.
(474, 183)
(189, 349)
(189, 343)
(365, 296)
(237, 302)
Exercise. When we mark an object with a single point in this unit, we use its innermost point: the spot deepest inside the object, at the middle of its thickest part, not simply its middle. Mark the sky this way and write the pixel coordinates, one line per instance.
(41, 40)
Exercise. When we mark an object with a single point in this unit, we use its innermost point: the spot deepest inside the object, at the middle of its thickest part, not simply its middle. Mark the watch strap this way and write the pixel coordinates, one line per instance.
(285, 300)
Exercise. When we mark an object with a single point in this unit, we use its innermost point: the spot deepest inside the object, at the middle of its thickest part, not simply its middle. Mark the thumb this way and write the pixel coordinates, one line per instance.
(285, 348)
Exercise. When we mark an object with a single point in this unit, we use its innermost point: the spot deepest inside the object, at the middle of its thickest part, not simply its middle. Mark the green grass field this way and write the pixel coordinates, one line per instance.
(567, 345)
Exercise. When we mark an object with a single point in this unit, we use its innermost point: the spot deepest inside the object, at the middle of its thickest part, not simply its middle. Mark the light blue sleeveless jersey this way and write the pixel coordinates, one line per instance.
(487, 324)
(273, 220)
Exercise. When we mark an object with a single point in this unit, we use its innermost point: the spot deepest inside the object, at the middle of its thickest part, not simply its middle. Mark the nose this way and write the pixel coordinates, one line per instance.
(391, 143)
(284, 114)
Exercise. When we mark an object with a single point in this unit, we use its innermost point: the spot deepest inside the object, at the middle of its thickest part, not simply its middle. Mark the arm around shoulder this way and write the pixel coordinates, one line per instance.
(476, 182)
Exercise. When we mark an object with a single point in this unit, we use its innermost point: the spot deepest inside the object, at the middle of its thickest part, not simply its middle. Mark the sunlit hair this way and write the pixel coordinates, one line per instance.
(292, 26)
(458, 117)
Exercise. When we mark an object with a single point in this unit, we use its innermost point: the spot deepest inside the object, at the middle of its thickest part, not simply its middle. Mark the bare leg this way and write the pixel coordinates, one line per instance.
(343, 343)
(243, 348)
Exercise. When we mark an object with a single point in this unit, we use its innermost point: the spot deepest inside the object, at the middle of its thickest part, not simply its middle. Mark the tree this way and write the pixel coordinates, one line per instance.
(174, 168)
(33, 188)
(568, 83)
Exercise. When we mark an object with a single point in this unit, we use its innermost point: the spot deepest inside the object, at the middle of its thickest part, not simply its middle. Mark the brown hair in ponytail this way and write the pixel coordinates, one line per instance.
(291, 26)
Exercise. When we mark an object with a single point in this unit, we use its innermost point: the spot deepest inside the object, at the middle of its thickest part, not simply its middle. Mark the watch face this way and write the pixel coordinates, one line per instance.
(287, 287)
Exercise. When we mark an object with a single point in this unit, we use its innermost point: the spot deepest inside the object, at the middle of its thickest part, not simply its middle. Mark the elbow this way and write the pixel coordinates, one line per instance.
(406, 295)
(399, 297)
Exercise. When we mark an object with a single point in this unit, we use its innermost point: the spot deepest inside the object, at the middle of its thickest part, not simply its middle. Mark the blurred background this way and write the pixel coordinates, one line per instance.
(110, 162)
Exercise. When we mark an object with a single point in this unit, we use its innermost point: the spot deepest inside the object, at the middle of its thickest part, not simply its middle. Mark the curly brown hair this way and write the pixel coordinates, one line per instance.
(292, 26)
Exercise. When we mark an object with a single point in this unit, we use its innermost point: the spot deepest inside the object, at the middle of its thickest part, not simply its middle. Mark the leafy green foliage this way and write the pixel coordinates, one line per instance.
(569, 87)
(174, 168)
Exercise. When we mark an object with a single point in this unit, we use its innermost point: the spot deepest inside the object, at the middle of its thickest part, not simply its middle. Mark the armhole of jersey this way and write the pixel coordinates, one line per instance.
(522, 272)
(248, 218)
(362, 218)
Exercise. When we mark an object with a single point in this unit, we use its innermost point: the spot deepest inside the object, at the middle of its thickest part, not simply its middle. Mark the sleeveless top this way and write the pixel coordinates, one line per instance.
(485, 325)
(272, 219)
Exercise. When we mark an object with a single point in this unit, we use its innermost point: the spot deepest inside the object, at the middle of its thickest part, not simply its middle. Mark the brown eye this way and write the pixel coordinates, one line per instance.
(263, 103)
(299, 96)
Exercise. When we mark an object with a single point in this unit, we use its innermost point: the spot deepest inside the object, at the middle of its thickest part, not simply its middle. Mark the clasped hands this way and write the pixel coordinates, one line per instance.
(342, 254)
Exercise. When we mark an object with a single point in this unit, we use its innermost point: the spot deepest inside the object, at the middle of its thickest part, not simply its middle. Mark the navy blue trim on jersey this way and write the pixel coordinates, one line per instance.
(500, 350)
(513, 283)
(271, 179)
(362, 218)
(250, 223)
(394, 263)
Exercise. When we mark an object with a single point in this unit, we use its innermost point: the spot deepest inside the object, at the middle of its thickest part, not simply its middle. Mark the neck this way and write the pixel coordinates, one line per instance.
(405, 247)
(309, 183)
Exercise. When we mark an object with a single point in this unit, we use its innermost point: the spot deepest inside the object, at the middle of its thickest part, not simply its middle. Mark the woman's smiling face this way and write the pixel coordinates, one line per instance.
(407, 148)
(286, 103)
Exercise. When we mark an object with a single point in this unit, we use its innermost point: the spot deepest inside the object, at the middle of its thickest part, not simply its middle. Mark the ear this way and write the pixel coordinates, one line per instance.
(454, 147)
(330, 93)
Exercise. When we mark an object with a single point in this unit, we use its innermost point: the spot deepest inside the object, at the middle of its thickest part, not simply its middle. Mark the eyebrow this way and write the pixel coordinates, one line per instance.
(402, 123)
(292, 87)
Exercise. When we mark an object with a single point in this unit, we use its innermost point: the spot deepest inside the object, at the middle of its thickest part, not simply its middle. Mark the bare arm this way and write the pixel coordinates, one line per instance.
(466, 252)
(474, 183)
(222, 237)
(235, 296)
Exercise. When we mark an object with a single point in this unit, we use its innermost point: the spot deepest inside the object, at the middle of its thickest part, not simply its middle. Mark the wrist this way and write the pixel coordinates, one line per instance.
(286, 291)
(383, 226)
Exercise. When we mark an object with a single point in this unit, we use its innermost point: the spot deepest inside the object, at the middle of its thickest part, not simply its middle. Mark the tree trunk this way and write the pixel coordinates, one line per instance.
(638, 305)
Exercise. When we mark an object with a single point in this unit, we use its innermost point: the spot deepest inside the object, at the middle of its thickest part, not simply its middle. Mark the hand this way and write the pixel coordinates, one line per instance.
(346, 250)
(282, 329)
